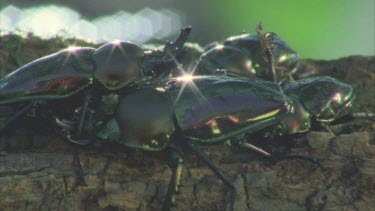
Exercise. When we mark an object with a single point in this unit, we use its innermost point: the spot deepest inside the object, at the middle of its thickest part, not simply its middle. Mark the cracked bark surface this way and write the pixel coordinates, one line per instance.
(38, 170)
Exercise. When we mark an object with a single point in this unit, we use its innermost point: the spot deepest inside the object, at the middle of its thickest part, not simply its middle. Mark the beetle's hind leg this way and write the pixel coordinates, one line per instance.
(274, 157)
(313, 160)
(176, 167)
(193, 146)
(77, 164)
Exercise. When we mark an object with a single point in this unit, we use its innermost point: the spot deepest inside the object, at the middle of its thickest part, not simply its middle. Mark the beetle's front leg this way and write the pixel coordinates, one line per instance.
(176, 167)
(72, 130)
(83, 114)
(351, 122)
(17, 115)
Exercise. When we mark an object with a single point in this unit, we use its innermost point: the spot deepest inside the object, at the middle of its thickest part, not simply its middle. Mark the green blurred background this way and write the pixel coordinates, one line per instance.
(316, 29)
(319, 29)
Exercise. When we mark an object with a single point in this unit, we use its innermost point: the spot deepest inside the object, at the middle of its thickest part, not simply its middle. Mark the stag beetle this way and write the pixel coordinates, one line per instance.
(192, 110)
(246, 55)
(113, 67)
(187, 111)
(183, 112)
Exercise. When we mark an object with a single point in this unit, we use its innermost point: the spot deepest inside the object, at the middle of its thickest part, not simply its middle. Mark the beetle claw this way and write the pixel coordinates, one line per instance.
(75, 140)
(314, 160)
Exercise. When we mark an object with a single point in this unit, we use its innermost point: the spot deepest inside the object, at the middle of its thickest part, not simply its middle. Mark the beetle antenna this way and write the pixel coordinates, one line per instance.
(17, 115)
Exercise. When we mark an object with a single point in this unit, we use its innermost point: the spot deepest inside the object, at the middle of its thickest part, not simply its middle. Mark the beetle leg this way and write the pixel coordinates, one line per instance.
(255, 148)
(273, 157)
(313, 160)
(363, 115)
(64, 123)
(352, 121)
(16, 116)
(267, 48)
(202, 155)
(269, 56)
(79, 169)
(82, 142)
(175, 179)
(83, 114)
(241, 143)
(327, 128)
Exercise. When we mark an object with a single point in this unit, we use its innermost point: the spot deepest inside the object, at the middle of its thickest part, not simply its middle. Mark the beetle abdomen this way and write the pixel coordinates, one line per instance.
(216, 108)
(55, 76)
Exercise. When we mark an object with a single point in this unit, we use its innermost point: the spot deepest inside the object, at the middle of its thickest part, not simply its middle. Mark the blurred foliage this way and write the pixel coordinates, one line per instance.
(318, 29)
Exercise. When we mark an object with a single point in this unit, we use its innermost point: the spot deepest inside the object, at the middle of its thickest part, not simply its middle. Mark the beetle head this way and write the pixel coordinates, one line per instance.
(324, 97)
(118, 64)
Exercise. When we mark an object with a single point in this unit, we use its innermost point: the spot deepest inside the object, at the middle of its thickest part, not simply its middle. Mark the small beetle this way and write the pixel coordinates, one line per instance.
(318, 100)
(110, 68)
(245, 55)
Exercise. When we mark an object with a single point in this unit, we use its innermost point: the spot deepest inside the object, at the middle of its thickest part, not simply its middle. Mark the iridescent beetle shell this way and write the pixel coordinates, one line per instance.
(285, 58)
(228, 58)
(211, 110)
(118, 64)
(217, 108)
(55, 76)
(145, 120)
(325, 98)
(69, 71)
(60, 75)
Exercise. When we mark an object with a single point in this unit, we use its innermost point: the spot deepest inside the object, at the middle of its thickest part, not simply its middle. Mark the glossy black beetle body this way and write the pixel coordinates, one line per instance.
(318, 99)
(244, 55)
(108, 69)
(191, 110)
(222, 108)
(114, 65)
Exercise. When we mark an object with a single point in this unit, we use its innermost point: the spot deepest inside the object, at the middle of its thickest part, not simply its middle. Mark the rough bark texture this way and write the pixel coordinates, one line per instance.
(38, 169)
